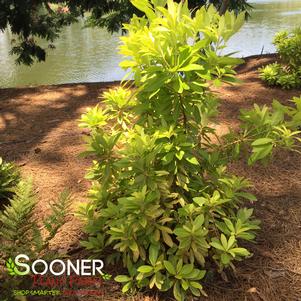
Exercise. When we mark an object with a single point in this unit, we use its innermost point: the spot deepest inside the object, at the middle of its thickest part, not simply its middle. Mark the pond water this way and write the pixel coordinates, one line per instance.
(90, 55)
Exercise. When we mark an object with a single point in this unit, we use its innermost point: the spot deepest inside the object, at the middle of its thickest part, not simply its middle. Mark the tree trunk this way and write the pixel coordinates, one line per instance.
(224, 6)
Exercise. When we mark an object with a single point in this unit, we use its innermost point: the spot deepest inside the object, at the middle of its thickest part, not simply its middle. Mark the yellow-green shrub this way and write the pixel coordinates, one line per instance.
(287, 74)
(162, 201)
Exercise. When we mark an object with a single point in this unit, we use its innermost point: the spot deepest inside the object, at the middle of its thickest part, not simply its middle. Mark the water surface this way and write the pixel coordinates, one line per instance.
(267, 18)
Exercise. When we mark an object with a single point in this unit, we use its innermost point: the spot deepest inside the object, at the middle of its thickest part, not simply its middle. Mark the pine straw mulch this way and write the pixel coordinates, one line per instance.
(38, 130)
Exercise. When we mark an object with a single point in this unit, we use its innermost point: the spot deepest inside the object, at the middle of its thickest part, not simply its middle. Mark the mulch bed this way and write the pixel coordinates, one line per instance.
(39, 131)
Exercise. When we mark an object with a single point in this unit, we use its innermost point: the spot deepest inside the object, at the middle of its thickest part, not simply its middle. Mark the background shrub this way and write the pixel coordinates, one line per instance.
(9, 178)
(288, 73)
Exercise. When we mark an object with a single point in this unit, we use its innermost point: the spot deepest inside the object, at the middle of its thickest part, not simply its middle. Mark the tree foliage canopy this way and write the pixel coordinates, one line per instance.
(33, 19)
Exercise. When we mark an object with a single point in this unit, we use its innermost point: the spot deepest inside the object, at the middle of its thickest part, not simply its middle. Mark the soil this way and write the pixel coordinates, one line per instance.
(39, 131)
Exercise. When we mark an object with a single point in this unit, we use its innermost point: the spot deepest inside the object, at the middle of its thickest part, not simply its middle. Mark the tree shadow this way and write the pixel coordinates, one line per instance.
(29, 115)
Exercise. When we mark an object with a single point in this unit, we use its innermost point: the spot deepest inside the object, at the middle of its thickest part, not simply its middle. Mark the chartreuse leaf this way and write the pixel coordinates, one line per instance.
(153, 253)
(159, 2)
(145, 269)
(262, 147)
(144, 6)
(169, 267)
(178, 292)
(240, 251)
(262, 141)
(191, 67)
(122, 278)
(126, 287)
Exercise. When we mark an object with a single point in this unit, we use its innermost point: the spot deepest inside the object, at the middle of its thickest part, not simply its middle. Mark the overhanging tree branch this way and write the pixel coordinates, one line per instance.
(224, 6)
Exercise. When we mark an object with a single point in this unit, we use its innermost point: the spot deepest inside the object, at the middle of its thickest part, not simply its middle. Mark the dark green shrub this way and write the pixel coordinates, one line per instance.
(9, 178)
(21, 233)
(162, 201)
(287, 74)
